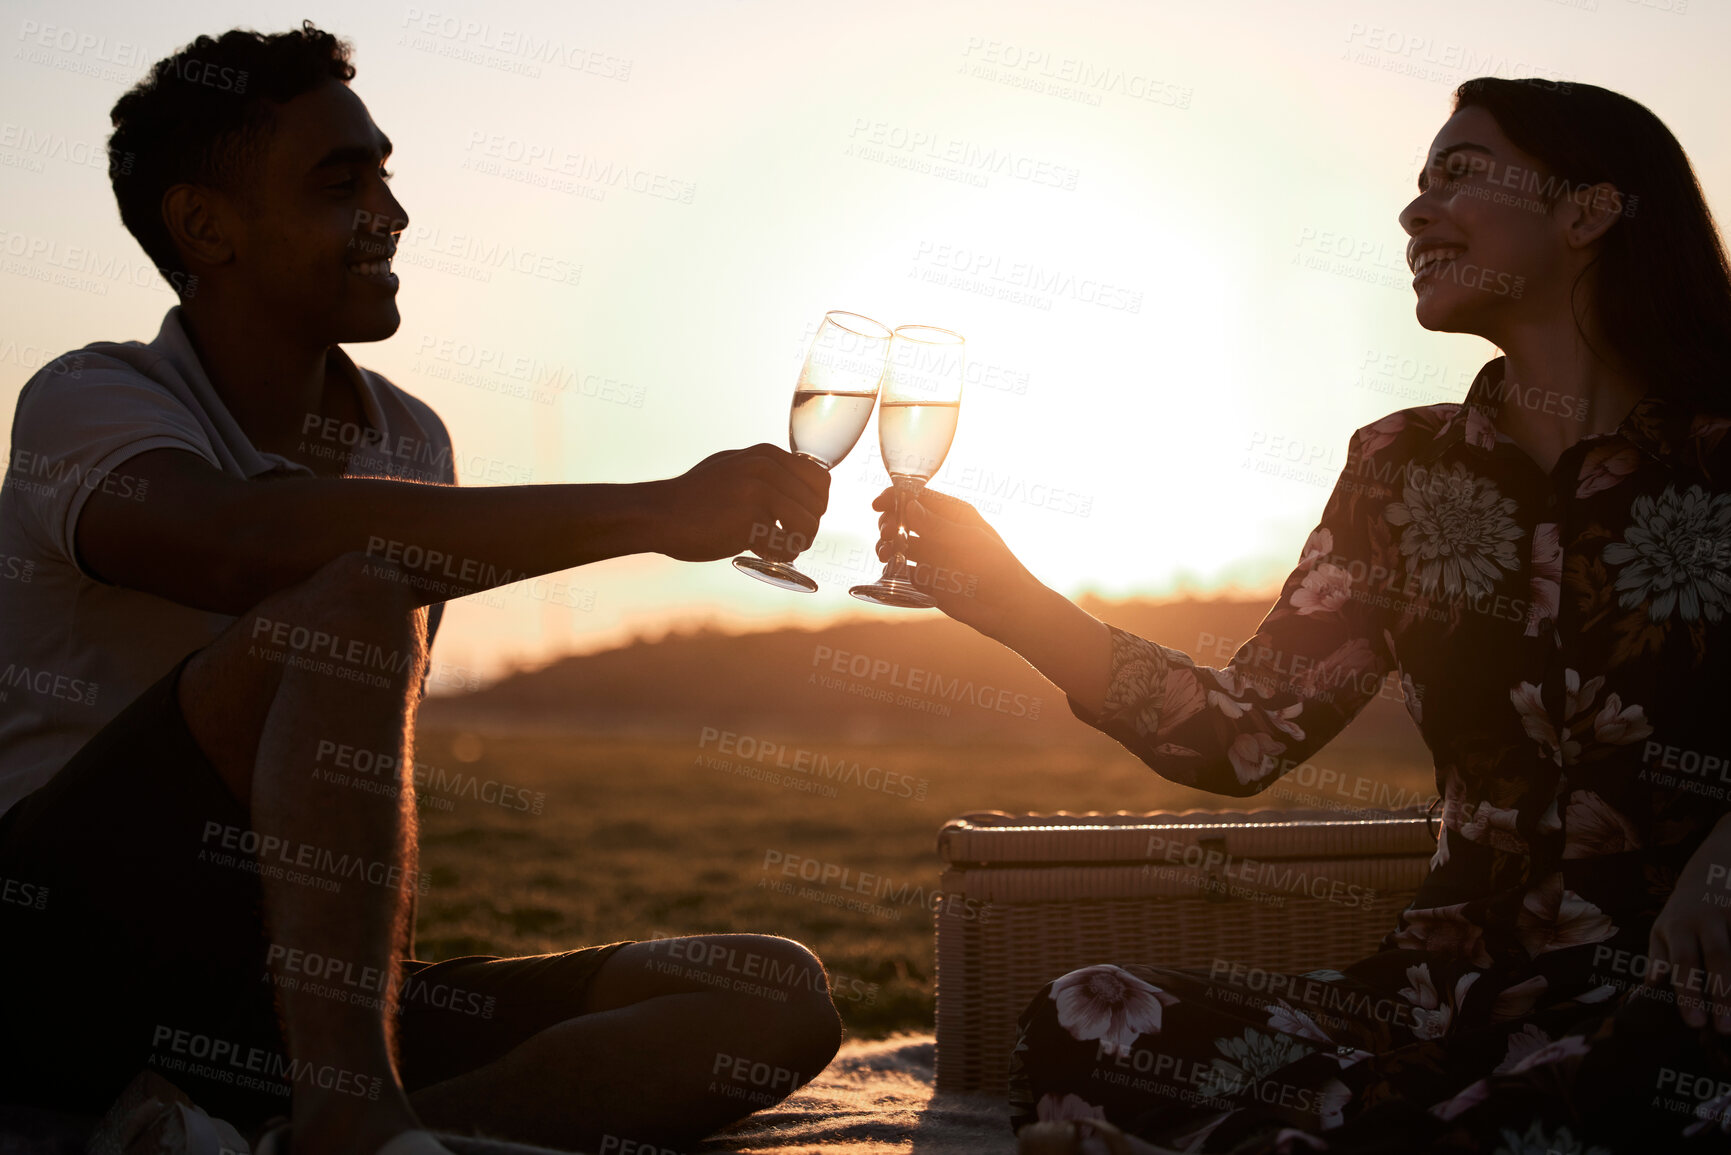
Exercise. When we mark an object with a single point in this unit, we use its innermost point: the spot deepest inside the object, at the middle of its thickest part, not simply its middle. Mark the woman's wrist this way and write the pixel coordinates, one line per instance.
(1026, 612)
(1066, 643)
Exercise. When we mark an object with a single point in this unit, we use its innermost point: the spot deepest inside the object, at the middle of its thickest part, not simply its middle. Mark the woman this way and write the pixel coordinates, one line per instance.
(1545, 564)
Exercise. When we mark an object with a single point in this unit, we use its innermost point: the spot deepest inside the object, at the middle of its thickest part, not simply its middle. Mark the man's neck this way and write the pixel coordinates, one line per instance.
(269, 380)
(1556, 391)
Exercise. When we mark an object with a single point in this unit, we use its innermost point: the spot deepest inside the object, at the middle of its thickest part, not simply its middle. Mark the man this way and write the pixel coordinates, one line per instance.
(203, 632)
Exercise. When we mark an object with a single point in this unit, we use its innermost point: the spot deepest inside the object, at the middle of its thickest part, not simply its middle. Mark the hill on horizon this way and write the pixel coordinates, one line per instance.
(910, 678)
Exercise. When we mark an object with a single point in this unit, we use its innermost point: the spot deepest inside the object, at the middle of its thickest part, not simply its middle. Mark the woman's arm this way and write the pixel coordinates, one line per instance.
(1318, 657)
(962, 563)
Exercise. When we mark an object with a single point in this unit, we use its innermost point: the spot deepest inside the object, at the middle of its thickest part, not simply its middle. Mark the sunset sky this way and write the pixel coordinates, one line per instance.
(1168, 232)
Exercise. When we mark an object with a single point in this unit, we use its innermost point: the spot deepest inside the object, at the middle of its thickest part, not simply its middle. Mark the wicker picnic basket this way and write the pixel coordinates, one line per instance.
(1027, 898)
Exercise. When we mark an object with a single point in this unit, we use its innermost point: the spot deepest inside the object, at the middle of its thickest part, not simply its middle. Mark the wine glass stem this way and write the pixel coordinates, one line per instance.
(898, 562)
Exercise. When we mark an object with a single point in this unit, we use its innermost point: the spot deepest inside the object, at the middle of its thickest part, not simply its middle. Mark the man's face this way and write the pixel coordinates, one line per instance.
(315, 232)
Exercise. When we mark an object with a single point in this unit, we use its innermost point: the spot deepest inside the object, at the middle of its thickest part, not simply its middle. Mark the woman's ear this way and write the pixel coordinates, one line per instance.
(1587, 213)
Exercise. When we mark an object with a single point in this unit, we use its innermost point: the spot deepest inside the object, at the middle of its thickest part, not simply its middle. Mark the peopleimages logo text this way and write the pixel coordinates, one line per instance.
(921, 681)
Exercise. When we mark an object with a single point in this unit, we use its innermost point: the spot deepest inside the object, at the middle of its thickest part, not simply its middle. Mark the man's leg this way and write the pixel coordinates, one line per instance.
(332, 665)
(675, 1039)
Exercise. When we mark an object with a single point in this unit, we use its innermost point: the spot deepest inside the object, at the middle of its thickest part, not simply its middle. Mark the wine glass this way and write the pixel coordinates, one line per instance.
(832, 402)
(922, 398)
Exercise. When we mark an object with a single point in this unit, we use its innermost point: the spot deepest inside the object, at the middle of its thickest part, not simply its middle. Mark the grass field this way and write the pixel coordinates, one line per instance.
(644, 838)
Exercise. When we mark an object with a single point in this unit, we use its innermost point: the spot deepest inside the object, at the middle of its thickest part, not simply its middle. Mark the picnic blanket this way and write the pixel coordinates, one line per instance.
(874, 1099)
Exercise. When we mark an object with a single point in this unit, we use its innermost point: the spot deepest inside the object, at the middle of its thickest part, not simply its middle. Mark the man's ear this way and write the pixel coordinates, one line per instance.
(197, 223)
(1587, 213)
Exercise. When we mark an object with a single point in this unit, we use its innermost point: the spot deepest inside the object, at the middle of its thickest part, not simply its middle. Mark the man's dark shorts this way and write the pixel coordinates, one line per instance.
(129, 936)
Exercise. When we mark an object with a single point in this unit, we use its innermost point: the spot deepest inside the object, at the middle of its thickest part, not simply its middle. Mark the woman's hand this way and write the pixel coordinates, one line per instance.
(959, 561)
(963, 565)
(1689, 948)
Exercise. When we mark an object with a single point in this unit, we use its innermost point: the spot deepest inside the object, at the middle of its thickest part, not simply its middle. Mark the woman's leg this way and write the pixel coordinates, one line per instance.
(1174, 1054)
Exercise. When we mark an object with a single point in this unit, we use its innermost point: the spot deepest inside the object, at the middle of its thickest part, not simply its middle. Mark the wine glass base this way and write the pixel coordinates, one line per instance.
(776, 573)
(894, 592)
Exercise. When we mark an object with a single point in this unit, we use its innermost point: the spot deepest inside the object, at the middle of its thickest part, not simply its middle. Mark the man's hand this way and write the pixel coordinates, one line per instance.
(734, 500)
(1689, 948)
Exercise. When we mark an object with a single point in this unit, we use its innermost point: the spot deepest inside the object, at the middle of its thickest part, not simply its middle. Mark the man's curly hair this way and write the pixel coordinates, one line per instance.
(203, 116)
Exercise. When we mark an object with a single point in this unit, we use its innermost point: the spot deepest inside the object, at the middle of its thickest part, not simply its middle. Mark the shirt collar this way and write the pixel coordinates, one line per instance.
(1672, 432)
(174, 345)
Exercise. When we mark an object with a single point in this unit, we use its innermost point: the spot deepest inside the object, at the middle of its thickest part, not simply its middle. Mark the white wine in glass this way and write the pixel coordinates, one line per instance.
(838, 385)
(922, 397)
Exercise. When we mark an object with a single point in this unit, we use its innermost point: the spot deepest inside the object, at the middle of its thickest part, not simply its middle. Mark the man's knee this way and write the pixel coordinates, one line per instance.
(778, 978)
(355, 620)
(353, 611)
(813, 1025)
(360, 593)
(767, 964)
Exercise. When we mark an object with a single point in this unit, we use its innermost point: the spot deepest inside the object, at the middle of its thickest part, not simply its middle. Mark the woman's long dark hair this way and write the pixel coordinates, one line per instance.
(1662, 300)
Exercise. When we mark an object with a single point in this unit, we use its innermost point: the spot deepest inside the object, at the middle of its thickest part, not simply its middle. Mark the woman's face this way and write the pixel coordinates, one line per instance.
(1486, 251)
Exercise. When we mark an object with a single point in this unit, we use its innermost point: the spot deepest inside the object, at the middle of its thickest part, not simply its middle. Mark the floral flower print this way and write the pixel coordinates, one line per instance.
(1618, 726)
(1458, 532)
(1250, 1057)
(1319, 544)
(1493, 825)
(1440, 856)
(1595, 827)
(1180, 696)
(1326, 588)
(1529, 1040)
(1445, 929)
(1345, 666)
(1160, 686)
(1109, 1004)
(1481, 430)
(1431, 1015)
(1282, 720)
(1673, 555)
(1546, 585)
(1227, 704)
(1552, 1051)
(1604, 467)
(1537, 1140)
(1250, 753)
(1286, 1018)
(1469, 1097)
(1553, 917)
(1331, 1104)
(1380, 434)
(1715, 1110)
(1613, 725)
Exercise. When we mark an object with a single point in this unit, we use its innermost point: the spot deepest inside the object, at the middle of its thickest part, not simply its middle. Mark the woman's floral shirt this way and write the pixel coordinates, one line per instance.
(1558, 640)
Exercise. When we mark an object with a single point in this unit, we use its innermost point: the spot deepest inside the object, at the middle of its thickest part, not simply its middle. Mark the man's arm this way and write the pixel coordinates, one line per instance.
(215, 542)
